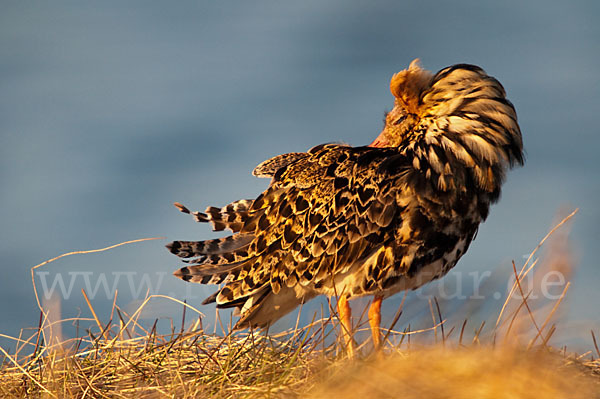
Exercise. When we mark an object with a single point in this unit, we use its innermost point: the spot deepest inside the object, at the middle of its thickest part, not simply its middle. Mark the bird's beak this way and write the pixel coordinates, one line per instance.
(379, 142)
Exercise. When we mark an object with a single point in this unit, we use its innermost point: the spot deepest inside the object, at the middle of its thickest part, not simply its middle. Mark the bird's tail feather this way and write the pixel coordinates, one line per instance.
(231, 216)
(212, 274)
(219, 246)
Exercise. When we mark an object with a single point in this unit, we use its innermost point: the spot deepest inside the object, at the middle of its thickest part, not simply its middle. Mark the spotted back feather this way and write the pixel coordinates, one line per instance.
(269, 167)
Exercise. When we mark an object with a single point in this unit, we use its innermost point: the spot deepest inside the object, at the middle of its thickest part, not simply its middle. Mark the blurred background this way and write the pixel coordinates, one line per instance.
(111, 111)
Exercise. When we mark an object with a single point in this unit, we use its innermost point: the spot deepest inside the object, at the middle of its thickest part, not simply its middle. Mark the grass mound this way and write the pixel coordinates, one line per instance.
(199, 365)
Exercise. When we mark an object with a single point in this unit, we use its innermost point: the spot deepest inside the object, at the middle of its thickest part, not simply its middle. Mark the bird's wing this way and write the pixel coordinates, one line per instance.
(325, 210)
(329, 208)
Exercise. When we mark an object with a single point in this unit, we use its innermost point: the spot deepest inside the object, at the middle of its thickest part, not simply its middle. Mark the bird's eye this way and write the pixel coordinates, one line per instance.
(400, 120)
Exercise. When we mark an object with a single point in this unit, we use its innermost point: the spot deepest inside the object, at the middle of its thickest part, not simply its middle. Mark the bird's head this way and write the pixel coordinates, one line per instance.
(407, 87)
(460, 108)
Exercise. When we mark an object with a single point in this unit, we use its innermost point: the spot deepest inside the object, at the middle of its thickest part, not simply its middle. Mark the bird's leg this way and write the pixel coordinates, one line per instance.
(345, 314)
(375, 320)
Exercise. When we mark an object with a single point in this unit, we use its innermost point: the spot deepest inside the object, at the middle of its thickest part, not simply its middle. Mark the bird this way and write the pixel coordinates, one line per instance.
(370, 220)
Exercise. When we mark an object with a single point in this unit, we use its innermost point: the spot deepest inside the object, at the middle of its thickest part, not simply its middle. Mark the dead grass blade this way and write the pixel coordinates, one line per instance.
(91, 251)
(523, 273)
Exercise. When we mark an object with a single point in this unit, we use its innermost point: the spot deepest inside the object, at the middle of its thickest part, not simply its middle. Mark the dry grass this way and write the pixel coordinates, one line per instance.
(199, 365)
(193, 364)
(122, 358)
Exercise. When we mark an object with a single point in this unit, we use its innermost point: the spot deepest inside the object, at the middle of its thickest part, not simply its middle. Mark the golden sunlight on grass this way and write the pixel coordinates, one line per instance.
(474, 372)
